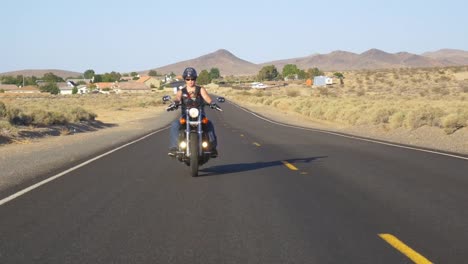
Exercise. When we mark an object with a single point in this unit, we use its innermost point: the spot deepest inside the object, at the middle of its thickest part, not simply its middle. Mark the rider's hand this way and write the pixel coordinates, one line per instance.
(172, 107)
(214, 106)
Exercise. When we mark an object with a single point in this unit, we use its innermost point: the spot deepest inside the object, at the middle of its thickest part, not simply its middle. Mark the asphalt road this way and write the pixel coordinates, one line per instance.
(275, 195)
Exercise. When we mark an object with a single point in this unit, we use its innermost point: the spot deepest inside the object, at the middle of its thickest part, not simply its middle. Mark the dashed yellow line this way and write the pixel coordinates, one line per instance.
(256, 144)
(289, 165)
(403, 248)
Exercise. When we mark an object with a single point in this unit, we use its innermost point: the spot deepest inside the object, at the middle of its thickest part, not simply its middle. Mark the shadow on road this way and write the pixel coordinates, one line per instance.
(241, 167)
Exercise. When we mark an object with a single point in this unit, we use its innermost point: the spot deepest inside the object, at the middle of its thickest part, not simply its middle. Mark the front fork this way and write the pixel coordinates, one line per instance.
(187, 135)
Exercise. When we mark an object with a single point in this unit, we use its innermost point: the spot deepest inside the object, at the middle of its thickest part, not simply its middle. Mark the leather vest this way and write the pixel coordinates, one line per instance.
(194, 99)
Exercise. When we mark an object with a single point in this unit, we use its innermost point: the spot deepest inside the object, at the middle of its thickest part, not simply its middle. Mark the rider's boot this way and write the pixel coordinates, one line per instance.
(214, 153)
(172, 152)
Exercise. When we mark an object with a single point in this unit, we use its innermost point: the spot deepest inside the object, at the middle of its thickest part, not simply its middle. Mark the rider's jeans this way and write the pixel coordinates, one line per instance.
(175, 134)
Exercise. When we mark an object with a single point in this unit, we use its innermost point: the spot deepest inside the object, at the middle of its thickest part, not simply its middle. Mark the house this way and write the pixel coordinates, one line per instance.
(82, 89)
(150, 81)
(322, 80)
(78, 80)
(65, 87)
(105, 87)
(132, 87)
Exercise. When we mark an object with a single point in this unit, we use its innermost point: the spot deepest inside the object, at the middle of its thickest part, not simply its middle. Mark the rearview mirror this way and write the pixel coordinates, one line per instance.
(166, 98)
(221, 99)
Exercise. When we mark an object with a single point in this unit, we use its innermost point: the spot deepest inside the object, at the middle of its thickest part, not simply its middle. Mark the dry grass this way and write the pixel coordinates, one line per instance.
(44, 110)
(398, 98)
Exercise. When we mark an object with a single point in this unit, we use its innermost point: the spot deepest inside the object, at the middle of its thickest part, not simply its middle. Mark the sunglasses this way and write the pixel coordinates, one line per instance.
(190, 79)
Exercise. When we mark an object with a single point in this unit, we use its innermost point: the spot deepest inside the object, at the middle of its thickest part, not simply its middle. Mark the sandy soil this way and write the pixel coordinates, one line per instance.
(425, 137)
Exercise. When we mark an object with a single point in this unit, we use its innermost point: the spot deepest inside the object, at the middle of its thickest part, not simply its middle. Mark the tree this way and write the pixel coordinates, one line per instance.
(52, 78)
(152, 73)
(50, 87)
(268, 73)
(312, 72)
(290, 70)
(107, 77)
(133, 74)
(89, 74)
(340, 76)
(301, 74)
(97, 78)
(214, 73)
(75, 90)
(203, 78)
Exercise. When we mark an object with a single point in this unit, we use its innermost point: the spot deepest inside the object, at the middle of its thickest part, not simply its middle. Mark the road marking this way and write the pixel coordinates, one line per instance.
(403, 248)
(304, 173)
(34, 186)
(242, 135)
(289, 165)
(352, 137)
(256, 144)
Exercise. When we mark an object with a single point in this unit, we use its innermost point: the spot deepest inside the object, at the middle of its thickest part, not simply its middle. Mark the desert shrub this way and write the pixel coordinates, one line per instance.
(323, 91)
(16, 116)
(381, 115)
(7, 129)
(268, 101)
(361, 92)
(3, 110)
(79, 114)
(464, 87)
(292, 93)
(453, 122)
(426, 115)
(45, 118)
(396, 120)
(440, 90)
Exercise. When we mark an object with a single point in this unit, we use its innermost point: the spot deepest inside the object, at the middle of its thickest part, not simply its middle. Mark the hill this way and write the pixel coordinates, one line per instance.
(40, 73)
(371, 59)
(225, 61)
(459, 57)
(229, 64)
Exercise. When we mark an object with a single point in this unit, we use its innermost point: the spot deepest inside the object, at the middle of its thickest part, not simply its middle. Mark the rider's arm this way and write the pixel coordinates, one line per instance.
(178, 96)
(205, 95)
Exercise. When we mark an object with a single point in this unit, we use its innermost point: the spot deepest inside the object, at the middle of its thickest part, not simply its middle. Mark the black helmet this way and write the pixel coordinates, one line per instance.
(189, 72)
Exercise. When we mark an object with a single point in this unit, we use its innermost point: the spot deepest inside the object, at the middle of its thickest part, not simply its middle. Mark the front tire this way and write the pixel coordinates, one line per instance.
(194, 154)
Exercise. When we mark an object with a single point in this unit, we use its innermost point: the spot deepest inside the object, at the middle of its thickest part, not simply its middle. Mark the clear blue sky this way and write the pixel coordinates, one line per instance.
(129, 36)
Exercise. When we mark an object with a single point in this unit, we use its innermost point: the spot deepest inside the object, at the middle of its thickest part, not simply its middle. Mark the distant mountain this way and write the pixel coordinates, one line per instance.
(40, 73)
(225, 61)
(371, 59)
(459, 57)
(229, 64)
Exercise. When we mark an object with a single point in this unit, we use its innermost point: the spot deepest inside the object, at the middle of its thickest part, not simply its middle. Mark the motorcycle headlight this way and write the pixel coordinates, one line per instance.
(193, 112)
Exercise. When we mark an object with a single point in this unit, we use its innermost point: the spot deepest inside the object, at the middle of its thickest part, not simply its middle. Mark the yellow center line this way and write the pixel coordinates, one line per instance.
(256, 144)
(403, 248)
(289, 165)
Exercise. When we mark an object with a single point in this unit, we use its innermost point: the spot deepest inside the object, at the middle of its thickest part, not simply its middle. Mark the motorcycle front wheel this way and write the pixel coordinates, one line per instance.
(194, 154)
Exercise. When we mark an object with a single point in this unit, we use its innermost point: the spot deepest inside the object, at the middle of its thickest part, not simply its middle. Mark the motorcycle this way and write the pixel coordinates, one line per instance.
(193, 141)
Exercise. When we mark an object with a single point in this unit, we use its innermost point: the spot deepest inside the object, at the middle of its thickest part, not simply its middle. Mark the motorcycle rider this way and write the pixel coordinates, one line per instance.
(195, 92)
